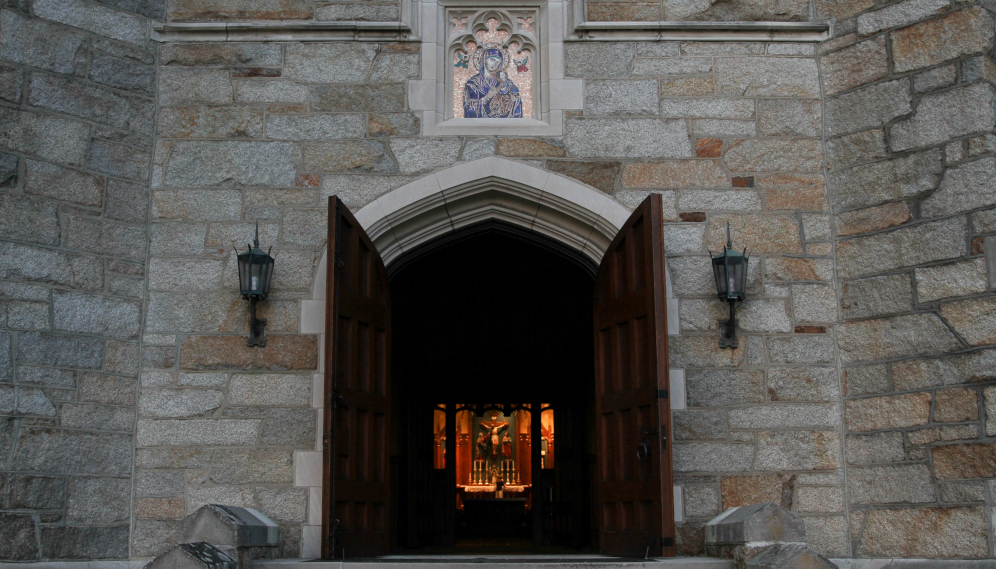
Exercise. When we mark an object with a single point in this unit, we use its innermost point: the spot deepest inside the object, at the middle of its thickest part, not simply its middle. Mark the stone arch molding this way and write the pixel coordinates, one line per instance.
(401, 220)
(563, 209)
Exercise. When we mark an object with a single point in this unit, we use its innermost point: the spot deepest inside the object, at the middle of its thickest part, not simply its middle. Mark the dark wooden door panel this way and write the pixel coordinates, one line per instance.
(357, 364)
(631, 375)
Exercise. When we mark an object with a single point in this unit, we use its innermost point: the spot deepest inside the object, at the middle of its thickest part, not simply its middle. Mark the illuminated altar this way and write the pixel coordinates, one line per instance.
(493, 451)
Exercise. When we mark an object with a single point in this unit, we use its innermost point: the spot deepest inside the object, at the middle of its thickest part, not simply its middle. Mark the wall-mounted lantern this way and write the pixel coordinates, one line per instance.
(730, 270)
(255, 272)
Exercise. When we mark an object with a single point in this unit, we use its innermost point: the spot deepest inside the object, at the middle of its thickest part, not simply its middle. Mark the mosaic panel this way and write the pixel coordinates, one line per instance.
(493, 57)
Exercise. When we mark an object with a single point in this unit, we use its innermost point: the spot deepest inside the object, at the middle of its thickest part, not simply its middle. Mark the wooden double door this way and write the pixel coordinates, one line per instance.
(633, 481)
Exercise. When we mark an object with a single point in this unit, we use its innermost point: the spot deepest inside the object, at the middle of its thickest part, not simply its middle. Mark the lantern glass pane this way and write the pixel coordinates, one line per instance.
(719, 271)
(243, 259)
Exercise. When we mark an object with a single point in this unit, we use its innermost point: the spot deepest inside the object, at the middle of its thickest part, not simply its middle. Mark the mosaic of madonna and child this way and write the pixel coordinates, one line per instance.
(490, 79)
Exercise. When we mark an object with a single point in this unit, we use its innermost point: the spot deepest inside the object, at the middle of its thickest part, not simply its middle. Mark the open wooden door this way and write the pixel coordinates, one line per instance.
(357, 380)
(631, 382)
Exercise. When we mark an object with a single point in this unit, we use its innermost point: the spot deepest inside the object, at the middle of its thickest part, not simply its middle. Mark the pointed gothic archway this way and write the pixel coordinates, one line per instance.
(490, 189)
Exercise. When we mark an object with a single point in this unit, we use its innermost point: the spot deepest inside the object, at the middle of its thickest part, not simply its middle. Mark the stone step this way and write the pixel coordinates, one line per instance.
(501, 562)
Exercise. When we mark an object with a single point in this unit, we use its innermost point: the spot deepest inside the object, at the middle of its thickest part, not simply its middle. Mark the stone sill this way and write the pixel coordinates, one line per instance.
(283, 31)
(399, 31)
(700, 31)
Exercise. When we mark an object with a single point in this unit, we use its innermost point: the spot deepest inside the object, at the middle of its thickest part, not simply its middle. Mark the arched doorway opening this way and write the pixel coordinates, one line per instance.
(490, 324)
(631, 314)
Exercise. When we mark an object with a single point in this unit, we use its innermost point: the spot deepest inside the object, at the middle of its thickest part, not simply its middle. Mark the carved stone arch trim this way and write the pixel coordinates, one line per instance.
(559, 208)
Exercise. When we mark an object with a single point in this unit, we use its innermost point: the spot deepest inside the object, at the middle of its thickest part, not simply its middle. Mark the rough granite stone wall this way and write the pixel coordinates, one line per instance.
(909, 118)
(858, 173)
(710, 10)
(303, 10)
(77, 87)
(726, 132)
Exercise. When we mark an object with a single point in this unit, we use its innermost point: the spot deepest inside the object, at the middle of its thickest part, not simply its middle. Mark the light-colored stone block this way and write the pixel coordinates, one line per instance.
(307, 468)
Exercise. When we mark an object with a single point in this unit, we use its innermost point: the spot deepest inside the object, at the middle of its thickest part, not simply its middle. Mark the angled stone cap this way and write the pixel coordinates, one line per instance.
(768, 522)
(790, 556)
(228, 526)
(200, 555)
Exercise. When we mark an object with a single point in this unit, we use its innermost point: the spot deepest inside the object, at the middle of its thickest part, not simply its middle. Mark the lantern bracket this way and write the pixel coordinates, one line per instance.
(257, 326)
(728, 329)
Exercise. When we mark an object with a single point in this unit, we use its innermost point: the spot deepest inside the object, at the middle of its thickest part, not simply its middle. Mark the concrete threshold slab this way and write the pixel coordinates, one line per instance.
(504, 561)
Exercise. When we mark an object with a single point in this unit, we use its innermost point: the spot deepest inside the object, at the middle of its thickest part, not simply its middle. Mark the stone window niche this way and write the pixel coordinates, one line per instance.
(527, 94)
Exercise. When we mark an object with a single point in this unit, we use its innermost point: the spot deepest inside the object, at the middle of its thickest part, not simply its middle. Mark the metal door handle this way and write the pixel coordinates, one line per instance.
(643, 449)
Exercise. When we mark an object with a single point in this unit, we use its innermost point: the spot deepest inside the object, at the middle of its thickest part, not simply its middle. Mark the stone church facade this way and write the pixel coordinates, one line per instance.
(848, 144)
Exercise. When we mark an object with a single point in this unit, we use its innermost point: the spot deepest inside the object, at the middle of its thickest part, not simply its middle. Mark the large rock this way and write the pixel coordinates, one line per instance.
(898, 336)
(797, 450)
(123, 74)
(902, 247)
(98, 500)
(722, 388)
(329, 62)
(628, 138)
(84, 542)
(868, 107)
(355, 156)
(890, 484)
(751, 10)
(51, 349)
(18, 541)
(875, 448)
(99, 19)
(50, 137)
(179, 402)
(877, 296)
(789, 556)
(767, 77)
(229, 54)
(206, 10)
(924, 532)
(56, 451)
(420, 154)
(200, 555)
(973, 460)
(950, 370)
(956, 279)
(767, 522)
(37, 43)
(48, 180)
(872, 219)
(211, 122)
(945, 115)
(713, 457)
(227, 527)
(254, 466)
(899, 15)
(175, 432)
(871, 184)
(356, 98)
(887, 412)
(973, 320)
(937, 40)
(97, 315)
(599, 59)
(856, 65)
(674, 174)
(232, 163)
(80, 99)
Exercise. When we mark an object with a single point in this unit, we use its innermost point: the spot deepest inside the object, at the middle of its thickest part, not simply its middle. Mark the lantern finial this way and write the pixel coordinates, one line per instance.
(729, 241)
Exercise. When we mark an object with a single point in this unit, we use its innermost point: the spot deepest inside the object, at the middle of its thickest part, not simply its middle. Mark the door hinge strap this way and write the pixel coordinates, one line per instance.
(667, 542)
(663, 437)
(662, 393)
